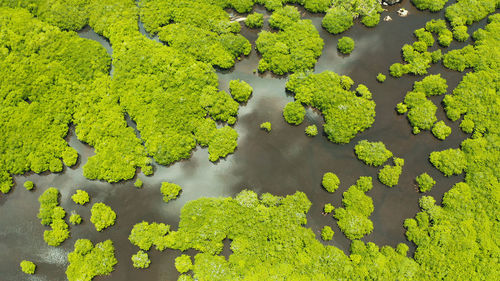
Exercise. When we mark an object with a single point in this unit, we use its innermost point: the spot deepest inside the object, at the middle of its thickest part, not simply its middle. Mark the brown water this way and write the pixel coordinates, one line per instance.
(281, 162)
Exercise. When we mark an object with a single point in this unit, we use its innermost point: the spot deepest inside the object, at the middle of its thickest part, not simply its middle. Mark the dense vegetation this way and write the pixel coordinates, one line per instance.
(389, 175)
(295, 47)
(102, 216)
(311, 130)
(51, 214)
(330, 182)
(344, 111)
(342, 13)
(29, 185)
(28, 267)
(327, 233)
(431, 5)
(254, 20)
(266, 126)
(80, 197)
(141, 260)
(88, 261)
(425, 182)
(75, 219)
(170, 191)
(294, 113)
(372, 153)
(345, 45)
(240, 90)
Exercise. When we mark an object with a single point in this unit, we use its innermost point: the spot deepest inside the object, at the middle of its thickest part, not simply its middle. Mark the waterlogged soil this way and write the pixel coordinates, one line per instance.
(280, 162)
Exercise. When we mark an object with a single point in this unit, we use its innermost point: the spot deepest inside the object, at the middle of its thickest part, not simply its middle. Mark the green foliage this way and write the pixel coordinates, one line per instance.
(59, 228)
(440, 130)
(345, 113)
(81, 197)
(28, 267)
(29, 185)
(311, 130)
(422, 112)
(418, 61)
(138, 183)
(425, 182)
(445, 37)
(183, 263)
(381, 77)
(353, 218)
(254, 20)
(266, 126)
(328, 208)
(345, 45)
(460, 33)
(38, 100)
(431, 5)
(102, 216)
(449, 162)
(294, 112)
(401, 108)
(145, 235)
(240, 90)
(364, 184)
(75, 219)
(327, 233)
(330, 182)
(170, 191)
(432, 85)
(48, 201)
(466, 12)
(372, 153)
(87, 261)
(340, 16)
(424, 36)
(141, 260)
(389, 175)
(295, 47)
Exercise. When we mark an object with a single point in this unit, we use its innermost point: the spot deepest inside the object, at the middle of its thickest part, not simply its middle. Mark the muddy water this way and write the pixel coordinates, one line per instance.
(280, 162)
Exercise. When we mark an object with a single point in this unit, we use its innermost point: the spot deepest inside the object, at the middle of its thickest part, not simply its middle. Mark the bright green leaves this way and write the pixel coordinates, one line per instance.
(29, 185)
(431, 85)
(240, 90)
(311, 130)
(87, 261)
(345, 112)
(440, 130)
(254, 20)
(183, 263)
(425, 182)
(353, 218)
(372, 153)
(327, 233)
(431, 5)
(337, 20)
(80, 197)
(102, 216)
(170, 191)
(266, 126)
(330, 182)
(145, 235)
(220, 141)
(345, 45)
(449, 162)
(141, 260)
(27, 267)
(294, 113)
(295, 47)
(340, 16)
(53, 215)
(389, 175)
(75, 219)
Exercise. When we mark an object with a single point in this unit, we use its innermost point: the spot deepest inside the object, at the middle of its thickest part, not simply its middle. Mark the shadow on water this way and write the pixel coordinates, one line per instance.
(279, 162)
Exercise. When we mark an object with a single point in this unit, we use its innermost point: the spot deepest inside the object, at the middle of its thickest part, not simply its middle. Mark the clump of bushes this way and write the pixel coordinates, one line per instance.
(141, 260)
(372, 153)
(330, 182)
(254, 20)
(53, 215)
(345, 45)
(240, 90)
(81, 197)
(381, 77)
(327, 233)
(311, 130)
(294, 112)
(183, 263)
(87, 261)
(28, 267)
(328, 208)
(102, 216)
(138, 183)
(449, 162)
(266, 126)
(29, 185)
(425, 182)
(389, 175)
(145, 235)
(75, 219)
(440, 130)
(170, 191)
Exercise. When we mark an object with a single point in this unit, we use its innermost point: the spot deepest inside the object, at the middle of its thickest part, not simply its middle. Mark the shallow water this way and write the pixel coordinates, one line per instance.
(279, 162)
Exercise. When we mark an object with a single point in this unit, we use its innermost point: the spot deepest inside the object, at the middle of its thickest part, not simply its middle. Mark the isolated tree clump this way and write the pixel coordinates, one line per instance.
(144, 235)
(75, 219)
(345, 113)
(28, 267)
(327, 233)
(294, 113)
(81, 197)
(440, 130)
(102, 216)
(372, 153)
(52, 214)
(141, 260)
(330, 182)
(425, 182)
(88, 261)
(389, 175)
(340, 17)
(29, 185)
(240, 90)
(170, 191)
(266, 126)
(381, 78)
(311, 130)
(183, 263)
(431, 5)
(345, 45)
(449, 162)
